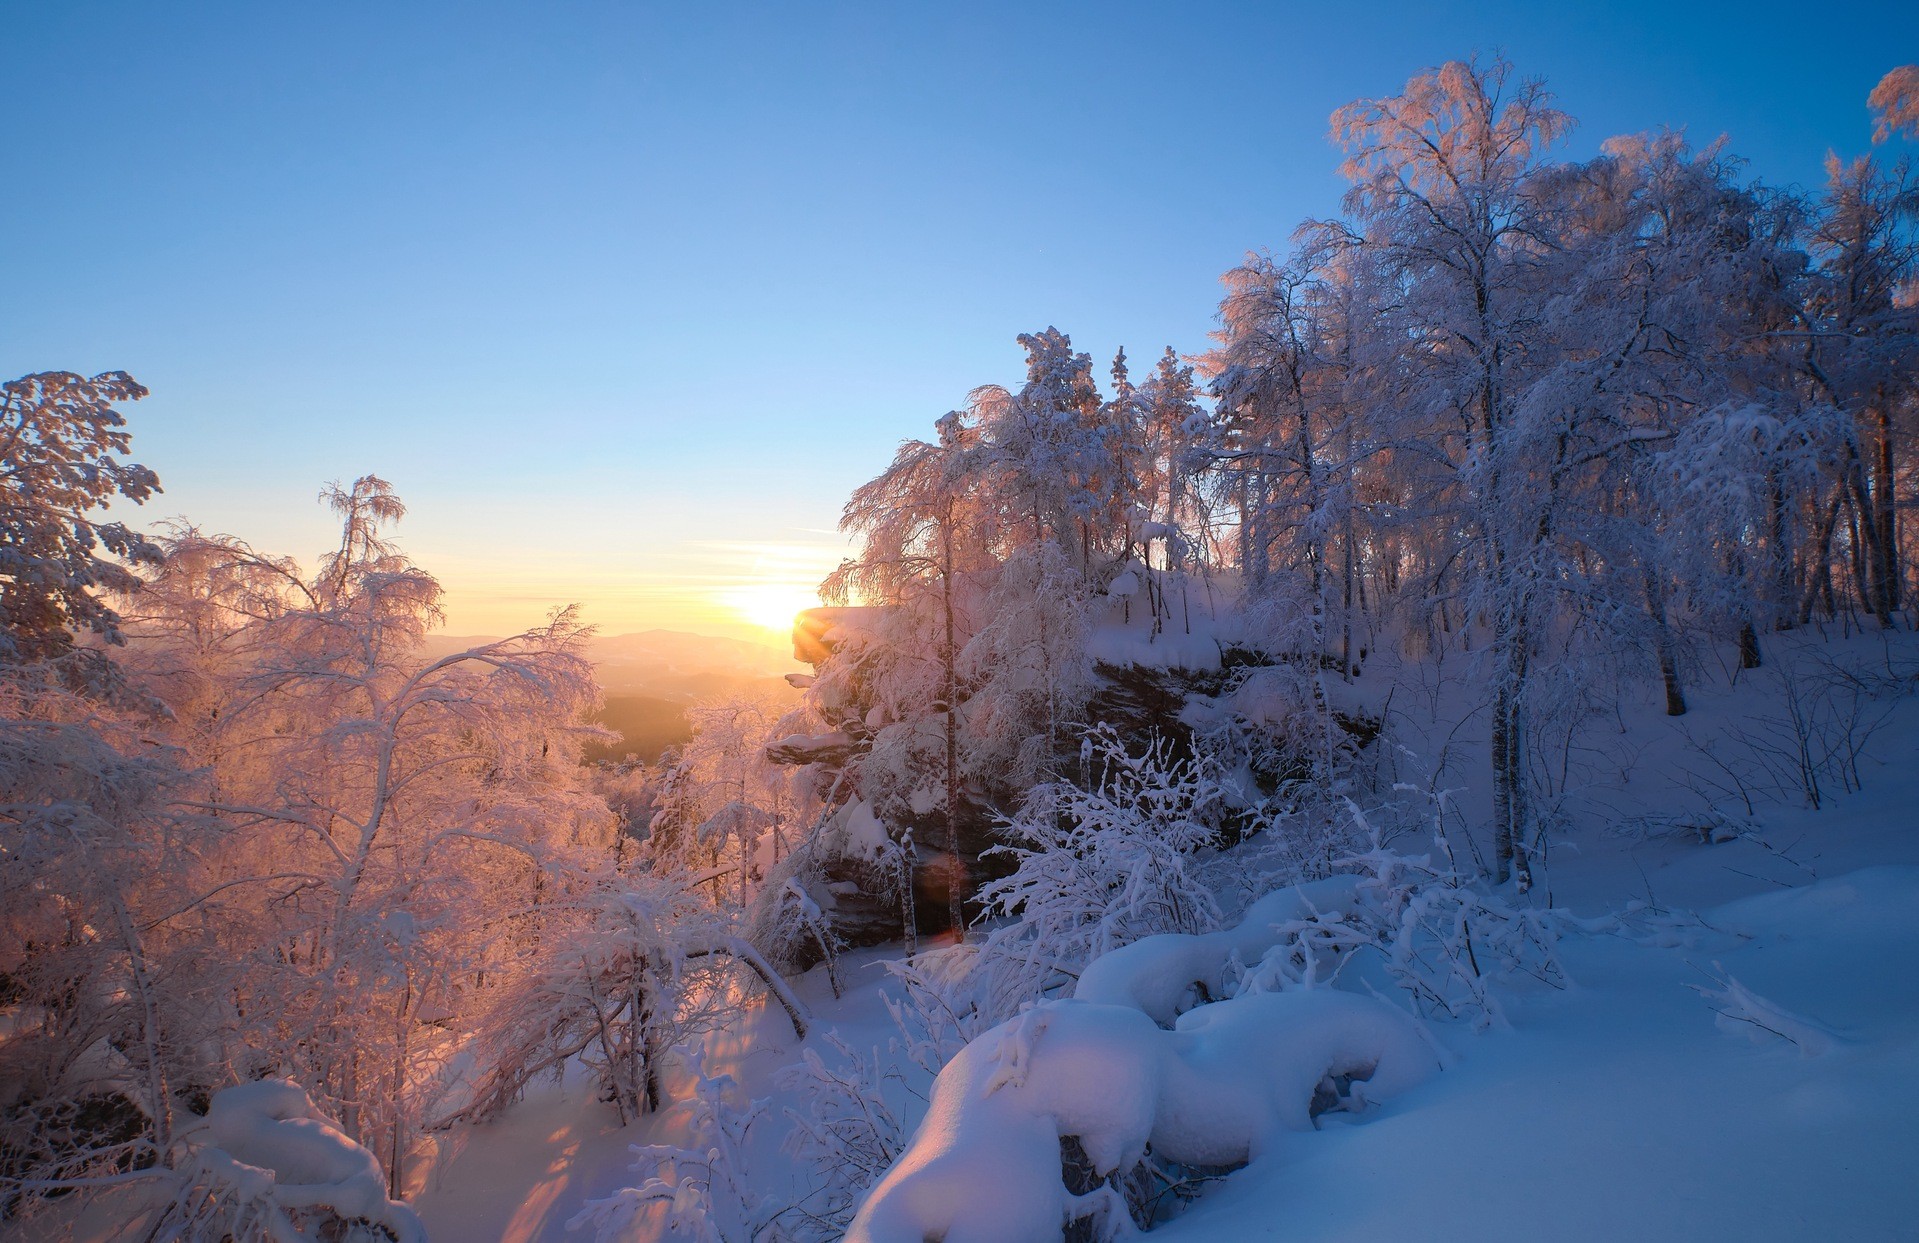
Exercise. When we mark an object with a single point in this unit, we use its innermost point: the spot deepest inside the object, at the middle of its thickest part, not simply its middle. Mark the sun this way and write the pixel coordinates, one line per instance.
(771, 605)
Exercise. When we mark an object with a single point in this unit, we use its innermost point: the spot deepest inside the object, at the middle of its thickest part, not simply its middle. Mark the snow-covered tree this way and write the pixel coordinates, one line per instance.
(1861, 353)
(1444, 197)
(1099, 863)
(726, 813)
(62, 447)
(101, 951)
(921, 560)
(393, 829)
(637, 965)
(1895, 104)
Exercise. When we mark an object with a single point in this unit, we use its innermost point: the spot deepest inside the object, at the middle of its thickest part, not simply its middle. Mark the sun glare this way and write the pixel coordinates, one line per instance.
(771, 605)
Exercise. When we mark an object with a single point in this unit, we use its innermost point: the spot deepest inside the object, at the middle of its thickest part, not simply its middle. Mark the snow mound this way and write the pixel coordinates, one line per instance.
(269, 1141)
(1166, 974)
(1870, 903)
(985, 1165)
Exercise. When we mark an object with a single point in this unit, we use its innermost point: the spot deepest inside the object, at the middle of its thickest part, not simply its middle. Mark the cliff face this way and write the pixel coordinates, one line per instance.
(1149, 674)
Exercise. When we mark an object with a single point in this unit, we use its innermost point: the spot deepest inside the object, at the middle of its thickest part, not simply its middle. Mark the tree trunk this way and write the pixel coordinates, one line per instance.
(1502, 790)
(1859, 550)
(957, 881)
(1885, 513)
(1819, 563)
(648, 1039)
(909, 908)
(1663, 645)
(1511, 811)
(396, 1154)
(1777, 529)
(1870, 560)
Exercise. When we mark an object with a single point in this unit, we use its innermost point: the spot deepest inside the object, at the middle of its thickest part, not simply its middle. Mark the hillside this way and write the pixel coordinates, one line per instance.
(1635, 1099)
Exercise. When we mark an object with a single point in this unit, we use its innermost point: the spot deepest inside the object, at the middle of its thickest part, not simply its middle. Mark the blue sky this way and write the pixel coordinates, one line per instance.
(626, 298)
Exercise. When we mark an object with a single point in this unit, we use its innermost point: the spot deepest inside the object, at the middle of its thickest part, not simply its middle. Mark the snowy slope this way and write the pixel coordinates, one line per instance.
(1621, 1107)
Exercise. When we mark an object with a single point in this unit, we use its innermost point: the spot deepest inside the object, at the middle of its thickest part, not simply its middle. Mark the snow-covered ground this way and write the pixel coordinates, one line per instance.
(524, 1176)
(1647, 1100)
(1624, 1108)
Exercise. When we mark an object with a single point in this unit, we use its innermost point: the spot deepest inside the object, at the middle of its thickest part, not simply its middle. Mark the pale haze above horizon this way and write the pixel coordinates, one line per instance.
(626, 299)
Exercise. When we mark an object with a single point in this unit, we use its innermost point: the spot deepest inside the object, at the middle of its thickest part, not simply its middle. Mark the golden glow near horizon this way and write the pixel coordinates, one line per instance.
(747, 590)
(770, 605)
(777, 582)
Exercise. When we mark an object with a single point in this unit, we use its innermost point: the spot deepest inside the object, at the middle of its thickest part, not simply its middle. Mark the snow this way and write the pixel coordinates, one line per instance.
(1156, 619)
(1136, 645)
(807, 748)
(523, 1176)
(1129, 636)
(995, 1121)
(269, 1139)
(1215, 1091)
(1619, 1109)
(858, 833)
(1162, 975)
(1626, 1105)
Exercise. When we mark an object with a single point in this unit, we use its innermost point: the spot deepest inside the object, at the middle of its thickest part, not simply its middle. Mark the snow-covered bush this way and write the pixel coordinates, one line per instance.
(846, 1134)
(1807, 745)
(849, 1132)
(648, 965)
(1742, 1011)
(1181, 1054)
(263, 1163)
(1100, 863)
(1427, 924)
(1165, 976)
(936, 1009)
(790, 922)
(700, 1191)
(1443, 938)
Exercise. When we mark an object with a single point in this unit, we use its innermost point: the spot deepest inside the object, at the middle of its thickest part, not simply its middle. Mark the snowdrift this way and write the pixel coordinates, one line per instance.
(985, 1165)
(1164, 975)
